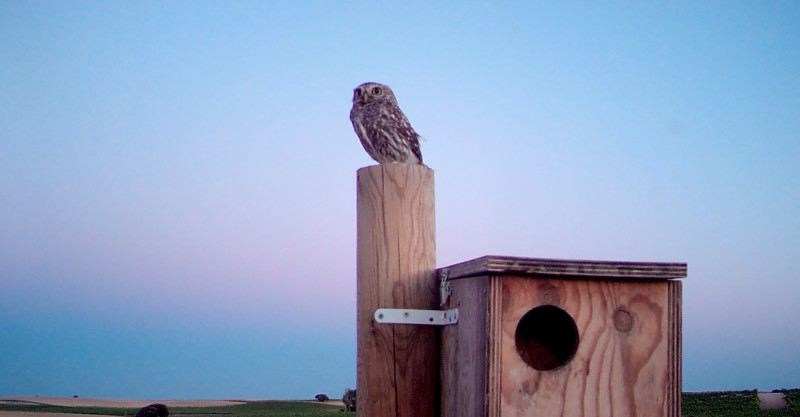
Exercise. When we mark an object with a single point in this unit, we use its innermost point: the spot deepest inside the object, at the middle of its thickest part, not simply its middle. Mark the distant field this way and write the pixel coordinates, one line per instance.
(245, 409)
(708, 404)
(736, 404)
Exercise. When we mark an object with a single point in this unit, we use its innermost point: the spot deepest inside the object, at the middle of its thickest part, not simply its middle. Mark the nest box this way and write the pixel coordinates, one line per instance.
(542, 337)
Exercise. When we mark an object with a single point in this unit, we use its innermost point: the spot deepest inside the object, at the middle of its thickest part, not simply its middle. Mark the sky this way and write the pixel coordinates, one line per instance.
(177, 179)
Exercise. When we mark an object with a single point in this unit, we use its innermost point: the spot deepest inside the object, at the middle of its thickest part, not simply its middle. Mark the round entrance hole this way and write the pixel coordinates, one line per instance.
(546, 338)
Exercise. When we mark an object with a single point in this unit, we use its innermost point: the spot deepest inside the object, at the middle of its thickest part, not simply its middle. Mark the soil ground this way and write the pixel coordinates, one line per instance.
(99, 402)
(102, 402)
(772, 400)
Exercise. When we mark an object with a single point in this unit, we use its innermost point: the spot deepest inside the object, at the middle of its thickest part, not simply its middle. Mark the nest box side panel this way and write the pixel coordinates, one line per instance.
(624, 362)
(675, 349)
(464, 351)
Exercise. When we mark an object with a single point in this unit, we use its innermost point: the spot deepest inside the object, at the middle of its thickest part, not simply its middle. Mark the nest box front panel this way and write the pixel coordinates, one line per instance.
(581, 347)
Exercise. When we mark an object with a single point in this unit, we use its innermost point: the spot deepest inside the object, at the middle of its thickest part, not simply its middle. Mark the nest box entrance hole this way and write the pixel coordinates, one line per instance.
(546, 338)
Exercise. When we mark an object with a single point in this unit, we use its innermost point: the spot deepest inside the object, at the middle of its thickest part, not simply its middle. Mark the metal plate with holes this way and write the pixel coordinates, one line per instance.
(419, 317)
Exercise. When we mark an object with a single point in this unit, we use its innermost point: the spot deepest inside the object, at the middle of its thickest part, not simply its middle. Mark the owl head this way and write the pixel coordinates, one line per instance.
(372, 92)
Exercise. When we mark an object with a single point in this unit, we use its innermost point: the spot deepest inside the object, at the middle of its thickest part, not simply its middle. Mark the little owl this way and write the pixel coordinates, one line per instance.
(383, 129)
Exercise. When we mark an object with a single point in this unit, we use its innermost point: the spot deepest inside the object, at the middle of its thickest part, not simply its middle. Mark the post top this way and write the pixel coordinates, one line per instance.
(511, 265)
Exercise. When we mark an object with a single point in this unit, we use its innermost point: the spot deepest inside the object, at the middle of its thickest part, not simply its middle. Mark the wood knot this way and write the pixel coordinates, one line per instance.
(548, 294)
(623, 320)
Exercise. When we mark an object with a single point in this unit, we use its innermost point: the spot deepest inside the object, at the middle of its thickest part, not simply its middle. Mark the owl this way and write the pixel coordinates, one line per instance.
(383, 129)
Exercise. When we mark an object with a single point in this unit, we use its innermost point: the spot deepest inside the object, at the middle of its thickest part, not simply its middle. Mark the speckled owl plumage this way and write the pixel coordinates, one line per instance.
(383, 129)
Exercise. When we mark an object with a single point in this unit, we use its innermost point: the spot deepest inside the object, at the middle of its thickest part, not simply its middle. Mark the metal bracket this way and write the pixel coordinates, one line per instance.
(444, 287)
(421, 317)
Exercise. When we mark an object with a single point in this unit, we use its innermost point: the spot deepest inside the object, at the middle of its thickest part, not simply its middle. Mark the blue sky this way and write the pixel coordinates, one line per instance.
(177, 204)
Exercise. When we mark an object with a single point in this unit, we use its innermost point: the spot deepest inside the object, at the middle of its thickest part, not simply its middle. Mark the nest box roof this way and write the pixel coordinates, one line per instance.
(510, 265)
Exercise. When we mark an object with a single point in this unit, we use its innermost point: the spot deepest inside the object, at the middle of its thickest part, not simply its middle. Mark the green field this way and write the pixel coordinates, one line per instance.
(710, 404)
(736, 404)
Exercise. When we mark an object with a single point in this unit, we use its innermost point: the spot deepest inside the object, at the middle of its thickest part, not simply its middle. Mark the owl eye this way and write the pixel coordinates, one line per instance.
(376, 91)
(357, 91)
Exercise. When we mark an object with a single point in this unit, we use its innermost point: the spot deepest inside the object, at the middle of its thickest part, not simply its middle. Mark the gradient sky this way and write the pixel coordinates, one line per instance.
(177, 179)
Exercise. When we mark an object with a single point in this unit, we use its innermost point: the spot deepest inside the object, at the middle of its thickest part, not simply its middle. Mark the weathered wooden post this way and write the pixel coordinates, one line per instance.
(397, 364)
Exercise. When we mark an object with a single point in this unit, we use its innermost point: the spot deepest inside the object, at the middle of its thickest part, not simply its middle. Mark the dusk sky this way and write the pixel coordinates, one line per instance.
(177, 179)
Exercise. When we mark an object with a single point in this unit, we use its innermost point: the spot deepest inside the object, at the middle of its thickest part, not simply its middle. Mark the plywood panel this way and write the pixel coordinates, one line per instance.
(464, 351)
(495, 348)
(675, 349)
(511, 265)
(624, 364)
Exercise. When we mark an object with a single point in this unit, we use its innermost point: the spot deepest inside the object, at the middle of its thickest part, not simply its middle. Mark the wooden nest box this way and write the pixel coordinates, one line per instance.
(542, 337)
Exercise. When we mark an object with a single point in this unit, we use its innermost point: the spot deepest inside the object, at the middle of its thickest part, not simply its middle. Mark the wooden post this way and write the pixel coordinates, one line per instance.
(397, 365)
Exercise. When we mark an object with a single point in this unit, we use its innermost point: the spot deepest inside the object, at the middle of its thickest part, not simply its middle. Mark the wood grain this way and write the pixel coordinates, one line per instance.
(675, 348)
(494, 346)
(627, 362)
(397, 365)
(463, 357)
(619, 369)
(507, 265)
